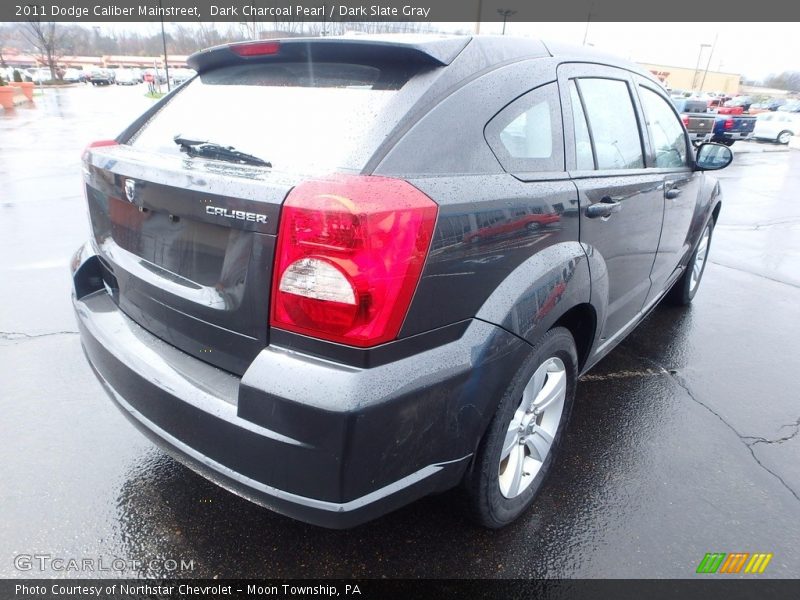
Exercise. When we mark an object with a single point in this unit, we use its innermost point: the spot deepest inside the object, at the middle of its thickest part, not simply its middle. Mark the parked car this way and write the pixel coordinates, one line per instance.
(694, 114)
(742, 102)
(778, 126)
(730, 128)
(792, 107)
(180, 76)
(296, 316)
(501, 224)
(72, 75)
(775, 103)
(125, 77)
(102, 77)
(39, 75)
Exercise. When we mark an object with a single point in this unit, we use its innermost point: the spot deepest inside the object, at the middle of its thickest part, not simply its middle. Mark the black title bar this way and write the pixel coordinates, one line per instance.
(400, 10)
(698, 588)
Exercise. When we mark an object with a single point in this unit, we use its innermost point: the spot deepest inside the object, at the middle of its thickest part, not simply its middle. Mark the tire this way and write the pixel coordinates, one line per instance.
(684, 290)
(784, 137)
(488, 487)
(533, 226)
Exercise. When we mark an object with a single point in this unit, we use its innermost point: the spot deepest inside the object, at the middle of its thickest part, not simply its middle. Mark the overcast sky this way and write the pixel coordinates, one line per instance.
(751, 49)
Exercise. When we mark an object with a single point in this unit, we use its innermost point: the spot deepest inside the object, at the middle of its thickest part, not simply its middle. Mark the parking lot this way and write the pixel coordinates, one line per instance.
(684, 440)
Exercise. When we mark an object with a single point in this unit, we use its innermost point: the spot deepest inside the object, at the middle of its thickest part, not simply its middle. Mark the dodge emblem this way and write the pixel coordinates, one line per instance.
(130, 189)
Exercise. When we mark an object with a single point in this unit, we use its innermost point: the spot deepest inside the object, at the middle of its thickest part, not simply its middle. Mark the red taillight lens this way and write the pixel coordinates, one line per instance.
(96, 144)
(256, 48)
(728, 124)
(350, 253)
(685, 120)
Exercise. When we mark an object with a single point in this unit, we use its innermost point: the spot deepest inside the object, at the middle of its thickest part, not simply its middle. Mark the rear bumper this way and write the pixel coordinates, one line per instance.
(699, 136)
(733, 136)
(321, 442)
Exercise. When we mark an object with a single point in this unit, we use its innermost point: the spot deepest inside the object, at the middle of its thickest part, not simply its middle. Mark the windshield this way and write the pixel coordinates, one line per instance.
(301, 117)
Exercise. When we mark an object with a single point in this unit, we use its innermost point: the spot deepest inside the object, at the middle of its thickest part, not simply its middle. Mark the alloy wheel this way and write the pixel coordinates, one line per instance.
(533, 427)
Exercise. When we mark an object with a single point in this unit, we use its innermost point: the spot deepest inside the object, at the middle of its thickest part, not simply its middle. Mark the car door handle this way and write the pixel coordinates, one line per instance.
(604, 208)
(672, 193)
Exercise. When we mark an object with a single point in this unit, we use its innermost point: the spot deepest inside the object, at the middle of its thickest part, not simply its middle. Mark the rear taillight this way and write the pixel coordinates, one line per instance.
(96, 144)
(685, 120)
(728, 124)
(350, 253)
(256, 48)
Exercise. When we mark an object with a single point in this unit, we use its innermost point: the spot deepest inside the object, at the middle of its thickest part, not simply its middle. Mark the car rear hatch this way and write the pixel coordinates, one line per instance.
(186, 242)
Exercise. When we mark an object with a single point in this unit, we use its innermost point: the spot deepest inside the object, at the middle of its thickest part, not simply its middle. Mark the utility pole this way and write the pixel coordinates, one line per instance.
(478, 22)
(505, 13)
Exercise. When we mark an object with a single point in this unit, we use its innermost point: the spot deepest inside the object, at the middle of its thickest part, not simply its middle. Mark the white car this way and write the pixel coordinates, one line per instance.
(777, 126)
(39, 75)
(126, 77)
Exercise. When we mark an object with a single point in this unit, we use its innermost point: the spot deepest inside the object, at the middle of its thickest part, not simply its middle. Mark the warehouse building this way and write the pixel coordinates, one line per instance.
(681, 78)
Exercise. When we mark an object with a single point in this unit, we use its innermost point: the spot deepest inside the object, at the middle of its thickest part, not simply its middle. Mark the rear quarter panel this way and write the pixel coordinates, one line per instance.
(521, 278)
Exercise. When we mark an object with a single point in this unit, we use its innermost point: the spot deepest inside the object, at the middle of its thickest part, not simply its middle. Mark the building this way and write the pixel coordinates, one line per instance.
(681, 78)
(15, 58)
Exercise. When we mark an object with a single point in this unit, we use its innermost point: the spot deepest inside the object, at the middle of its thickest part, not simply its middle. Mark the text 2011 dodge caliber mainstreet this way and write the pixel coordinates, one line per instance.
(336, 275)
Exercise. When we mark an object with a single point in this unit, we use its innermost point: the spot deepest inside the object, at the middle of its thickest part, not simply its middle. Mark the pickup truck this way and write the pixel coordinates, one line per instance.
(732, 127)
(698, 121)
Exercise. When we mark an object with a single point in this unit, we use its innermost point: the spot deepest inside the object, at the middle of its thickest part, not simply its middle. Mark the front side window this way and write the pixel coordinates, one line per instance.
(526, 135)
(666, 131)
(615, 130)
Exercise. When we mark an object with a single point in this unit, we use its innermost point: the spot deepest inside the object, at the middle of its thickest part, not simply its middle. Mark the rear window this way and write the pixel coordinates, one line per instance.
(301, 117)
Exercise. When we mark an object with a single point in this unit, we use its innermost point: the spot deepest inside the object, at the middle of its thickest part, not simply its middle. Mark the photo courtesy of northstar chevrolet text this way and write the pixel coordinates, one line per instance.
(359, 295)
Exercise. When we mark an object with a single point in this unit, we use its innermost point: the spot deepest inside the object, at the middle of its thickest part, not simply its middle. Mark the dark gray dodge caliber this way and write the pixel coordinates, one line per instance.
(336, 275)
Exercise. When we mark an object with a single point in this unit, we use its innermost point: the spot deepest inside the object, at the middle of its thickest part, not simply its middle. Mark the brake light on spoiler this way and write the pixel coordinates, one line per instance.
(255, 48)
(350, 254)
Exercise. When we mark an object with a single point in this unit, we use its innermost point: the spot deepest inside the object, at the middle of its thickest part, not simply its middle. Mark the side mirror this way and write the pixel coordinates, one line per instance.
(712, 157)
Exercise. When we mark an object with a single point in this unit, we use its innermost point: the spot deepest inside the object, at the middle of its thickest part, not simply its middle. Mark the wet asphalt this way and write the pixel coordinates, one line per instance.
(683, 441)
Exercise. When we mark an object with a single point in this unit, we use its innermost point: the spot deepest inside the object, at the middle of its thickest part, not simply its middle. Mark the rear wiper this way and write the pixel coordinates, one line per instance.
(206, 149)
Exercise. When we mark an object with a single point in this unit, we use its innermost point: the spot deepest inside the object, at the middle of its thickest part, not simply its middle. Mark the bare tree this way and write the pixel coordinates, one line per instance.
(46, 38)
(3, 36)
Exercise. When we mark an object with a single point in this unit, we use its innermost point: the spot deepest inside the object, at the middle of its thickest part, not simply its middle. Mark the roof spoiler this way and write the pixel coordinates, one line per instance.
(435, 52)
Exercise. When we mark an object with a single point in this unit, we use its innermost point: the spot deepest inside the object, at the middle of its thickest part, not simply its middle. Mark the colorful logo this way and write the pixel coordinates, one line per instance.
(720, 562)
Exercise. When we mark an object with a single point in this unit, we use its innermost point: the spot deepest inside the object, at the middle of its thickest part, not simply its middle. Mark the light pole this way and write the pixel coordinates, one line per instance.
(708, 64)
(164, 42)
(697, 66)
(588, 20)
(505, 13)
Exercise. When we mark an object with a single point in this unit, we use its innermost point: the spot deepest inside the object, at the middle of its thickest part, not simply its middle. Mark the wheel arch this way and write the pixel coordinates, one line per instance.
(540, 292)
(581, 322)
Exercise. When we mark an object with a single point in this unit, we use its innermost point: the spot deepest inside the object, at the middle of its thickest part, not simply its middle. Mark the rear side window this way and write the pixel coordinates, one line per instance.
(666, 131)
(612, 121)
(526, 135)
(584, 160)
(301, 117)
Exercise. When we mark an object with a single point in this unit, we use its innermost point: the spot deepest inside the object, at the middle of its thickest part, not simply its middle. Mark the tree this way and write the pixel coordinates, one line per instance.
(788, 80)
(46, 38)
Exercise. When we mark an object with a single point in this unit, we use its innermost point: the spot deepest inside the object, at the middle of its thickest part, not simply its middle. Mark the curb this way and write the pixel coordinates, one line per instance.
(760, 149)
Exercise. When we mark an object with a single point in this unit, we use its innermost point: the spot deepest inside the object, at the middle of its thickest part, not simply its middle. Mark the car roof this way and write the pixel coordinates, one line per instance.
(435, 50)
